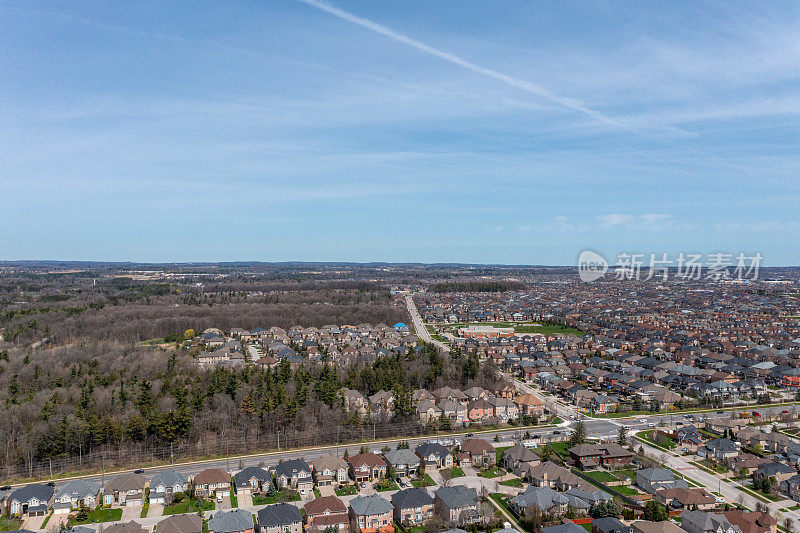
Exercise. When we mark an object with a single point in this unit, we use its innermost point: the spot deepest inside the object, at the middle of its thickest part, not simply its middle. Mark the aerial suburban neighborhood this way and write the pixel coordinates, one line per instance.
(556, 416)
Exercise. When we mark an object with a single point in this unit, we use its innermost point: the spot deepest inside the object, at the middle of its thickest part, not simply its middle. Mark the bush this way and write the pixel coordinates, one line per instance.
(178, 497)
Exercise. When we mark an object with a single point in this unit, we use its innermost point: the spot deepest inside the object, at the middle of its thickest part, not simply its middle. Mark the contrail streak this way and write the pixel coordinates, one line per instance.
(456, 60)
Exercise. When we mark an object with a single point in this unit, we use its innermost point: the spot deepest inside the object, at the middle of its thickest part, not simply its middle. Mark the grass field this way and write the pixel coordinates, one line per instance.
(627, 491)
(517, 482)
(281, 497)
(519, 327)
(491, 472)
(10, 524)
(386, 484)
(96, 516)
(189, 507)
(426, 481)
(500, 451)
(454, 472)
(602, 477)
(347, 490)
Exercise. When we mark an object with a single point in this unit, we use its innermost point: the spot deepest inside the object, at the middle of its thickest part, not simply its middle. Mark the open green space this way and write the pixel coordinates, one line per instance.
(500, 451)
(281, 497)
(96, 516)
(8, 523)
(454, 472)
(491, 472)
(426, 481)
(519, 327)
(385, 484)
(516, 482)
(602, 477)
(189, 506)
(346, 490)
(627, 491)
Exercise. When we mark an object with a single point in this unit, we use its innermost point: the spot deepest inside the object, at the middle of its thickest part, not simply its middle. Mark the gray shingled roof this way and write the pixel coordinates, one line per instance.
(35, 490)
(282, 514)
(169, 478)
(402, 457)
(79, 489)
(457, 496)
(230, 521)
(414, 497)
(370, 505)
(243, 478)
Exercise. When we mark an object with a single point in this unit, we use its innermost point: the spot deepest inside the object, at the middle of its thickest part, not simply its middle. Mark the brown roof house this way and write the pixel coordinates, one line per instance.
(325, 512)
(125, 489)
(367, 467)
(481, 453)
(607, 454)
(211, 480)
(181, 523)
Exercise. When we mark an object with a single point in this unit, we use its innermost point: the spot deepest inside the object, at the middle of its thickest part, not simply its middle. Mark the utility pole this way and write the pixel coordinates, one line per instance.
(278, 434)
(227, 457)
(50, 460)
(171, 455)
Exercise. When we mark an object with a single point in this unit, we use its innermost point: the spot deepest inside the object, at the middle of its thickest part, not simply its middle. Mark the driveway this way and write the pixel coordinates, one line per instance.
(327, 490)
(131, 513)
(156, 509)
(245, 499)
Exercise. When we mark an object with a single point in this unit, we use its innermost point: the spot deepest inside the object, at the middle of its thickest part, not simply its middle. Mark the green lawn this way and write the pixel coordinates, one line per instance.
(500, 499)
(384, 485)
(560, 448)
(317, 493)
(188, 507)
(500, 451)
(426, 481)
(347, 490)
(627, 491)
(46, 520)
(525, 327)
(10, 524)
(279, 497)
(491, 472)
(602, 477)
(517, 482)
(234, 499)
(145, 510)
(454, 472)
(95, 516)
(587, 527)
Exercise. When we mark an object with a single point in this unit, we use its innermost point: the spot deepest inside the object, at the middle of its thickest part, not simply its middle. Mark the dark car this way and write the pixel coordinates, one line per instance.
(5, 487)
(140, 471)
(720, 412)
(51, 484)
(556, 432)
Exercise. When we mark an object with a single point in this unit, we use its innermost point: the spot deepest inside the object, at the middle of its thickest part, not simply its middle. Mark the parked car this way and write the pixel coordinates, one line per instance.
(363, 485)
(720, 412)
(756, 414)
(139, 471)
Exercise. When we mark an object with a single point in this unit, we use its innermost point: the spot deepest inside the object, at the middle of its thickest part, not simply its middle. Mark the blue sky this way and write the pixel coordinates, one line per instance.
(487, 132)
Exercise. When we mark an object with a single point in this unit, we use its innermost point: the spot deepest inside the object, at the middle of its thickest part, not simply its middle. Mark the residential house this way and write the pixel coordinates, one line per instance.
(652, 479)
(504, 390)
(125, 527)
(545, 498)
(329, 470)
(456, 412)
(354, 401)
(326, 512)
(404, 461)
(30, 500)
(481, 453)
(567, 527)
(666, 526)
(609, 455)
(294, 474)
(412, 507)
(371, 514)
(428, 411)
(367, 467)
(685, 498)
(181, 523)
(253, 480)
(211, 480)
(235, 521)
(457, 504)
(780, 471)
(77, 493)
(165, 484)
(721, 449)
(707, 522)
(529, 405)
(434, 455)
(752, 522)
(280, 518)
(513, 458)
(610, 524)
(551, 475)
(125, 490)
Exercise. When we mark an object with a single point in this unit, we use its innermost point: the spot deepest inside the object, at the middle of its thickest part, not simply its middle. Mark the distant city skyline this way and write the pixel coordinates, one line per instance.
(400, 132)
